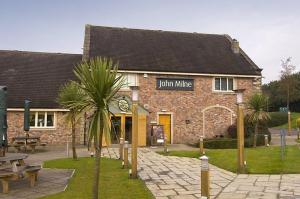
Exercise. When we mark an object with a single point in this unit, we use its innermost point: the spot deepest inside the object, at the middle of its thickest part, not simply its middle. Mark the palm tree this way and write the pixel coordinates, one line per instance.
(99, 82)
(68, 94)
(257, 105)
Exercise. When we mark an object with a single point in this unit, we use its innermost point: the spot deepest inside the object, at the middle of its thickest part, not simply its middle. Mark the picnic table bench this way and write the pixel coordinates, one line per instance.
(13, 167)
(27, 141)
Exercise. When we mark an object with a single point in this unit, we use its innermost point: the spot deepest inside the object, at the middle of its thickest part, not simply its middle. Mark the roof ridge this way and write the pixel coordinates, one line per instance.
(141, 29)
(38, 52)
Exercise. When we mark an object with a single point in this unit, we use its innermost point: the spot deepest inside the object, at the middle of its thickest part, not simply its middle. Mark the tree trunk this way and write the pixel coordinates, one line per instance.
(98, 147)
(73, 139)
(255, 135)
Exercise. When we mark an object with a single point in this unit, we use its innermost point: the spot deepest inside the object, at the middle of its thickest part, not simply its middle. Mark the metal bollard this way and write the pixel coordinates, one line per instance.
(266, 140)
(205, 183)
(125, 161)
(201, 145)
(121, 148)
(289, 123)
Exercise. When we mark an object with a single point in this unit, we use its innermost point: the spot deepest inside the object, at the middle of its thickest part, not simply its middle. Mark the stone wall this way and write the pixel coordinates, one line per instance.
(57, 135)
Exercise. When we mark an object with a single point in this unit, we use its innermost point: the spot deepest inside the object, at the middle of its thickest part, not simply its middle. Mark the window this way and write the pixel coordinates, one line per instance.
(223, 84)
(129, 80)
(42, 119)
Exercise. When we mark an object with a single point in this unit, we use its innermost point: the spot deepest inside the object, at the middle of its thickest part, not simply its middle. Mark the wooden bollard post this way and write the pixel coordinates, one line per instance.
(125, 161)
(266, 140)
(298, 136)
(121, 148)
(205, 182)
(201, 145)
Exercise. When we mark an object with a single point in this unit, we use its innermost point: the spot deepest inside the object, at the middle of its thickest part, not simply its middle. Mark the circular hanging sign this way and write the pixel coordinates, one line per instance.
(123, 105)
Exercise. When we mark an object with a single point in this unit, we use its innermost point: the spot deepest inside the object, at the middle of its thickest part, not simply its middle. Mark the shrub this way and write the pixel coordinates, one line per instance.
(231, 131)
(220, 143)
(277, 119)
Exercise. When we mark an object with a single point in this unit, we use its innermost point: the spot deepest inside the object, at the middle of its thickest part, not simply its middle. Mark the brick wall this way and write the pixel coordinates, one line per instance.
(184, 105)
(59, 135)
(188, 105)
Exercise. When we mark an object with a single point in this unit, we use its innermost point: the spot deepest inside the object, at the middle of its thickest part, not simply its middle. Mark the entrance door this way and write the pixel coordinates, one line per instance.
(128, 128)
(115, 130)
(165, 120)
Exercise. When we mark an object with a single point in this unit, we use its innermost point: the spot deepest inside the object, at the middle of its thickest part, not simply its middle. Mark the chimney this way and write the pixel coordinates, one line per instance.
(235, 46)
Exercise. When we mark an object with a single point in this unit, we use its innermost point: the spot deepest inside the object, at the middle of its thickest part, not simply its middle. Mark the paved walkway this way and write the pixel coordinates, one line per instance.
(177, 177)
(168, 177)
(290, 139)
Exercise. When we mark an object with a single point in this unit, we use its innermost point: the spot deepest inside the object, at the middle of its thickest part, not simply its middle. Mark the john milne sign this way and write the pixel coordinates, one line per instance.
(174, 84)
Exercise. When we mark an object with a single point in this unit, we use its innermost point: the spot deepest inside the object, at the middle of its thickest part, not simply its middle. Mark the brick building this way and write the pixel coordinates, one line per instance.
(185, 79)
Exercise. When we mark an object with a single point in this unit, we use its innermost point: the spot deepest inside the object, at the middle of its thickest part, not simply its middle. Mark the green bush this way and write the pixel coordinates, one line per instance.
(277, 119)
(229, 143)
(220, 143)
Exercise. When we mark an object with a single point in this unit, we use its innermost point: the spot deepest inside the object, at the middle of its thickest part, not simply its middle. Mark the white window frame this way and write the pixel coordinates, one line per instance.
(36, 113)
(223, 91)
(136, 83)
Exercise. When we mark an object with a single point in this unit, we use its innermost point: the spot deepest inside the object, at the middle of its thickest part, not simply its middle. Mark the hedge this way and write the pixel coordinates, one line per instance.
(230, 143)
(277, 119)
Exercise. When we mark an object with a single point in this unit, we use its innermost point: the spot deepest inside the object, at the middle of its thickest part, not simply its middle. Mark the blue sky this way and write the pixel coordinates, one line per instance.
(267, 30)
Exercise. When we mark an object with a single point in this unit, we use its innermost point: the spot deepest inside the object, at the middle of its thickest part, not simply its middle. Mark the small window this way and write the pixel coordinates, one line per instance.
(129, 80)
(42, 119)
(223, 84)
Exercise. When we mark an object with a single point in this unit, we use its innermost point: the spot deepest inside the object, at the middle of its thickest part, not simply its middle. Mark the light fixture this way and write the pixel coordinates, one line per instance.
(135, 93)
(239, 95)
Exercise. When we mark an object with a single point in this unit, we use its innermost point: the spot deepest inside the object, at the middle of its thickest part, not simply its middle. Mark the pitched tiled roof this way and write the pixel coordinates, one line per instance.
(35, 76)
(165, 51)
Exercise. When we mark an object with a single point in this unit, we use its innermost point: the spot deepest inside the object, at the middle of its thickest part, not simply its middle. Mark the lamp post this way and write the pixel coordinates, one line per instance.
(122, 134)
(134, 139)
(240, 130)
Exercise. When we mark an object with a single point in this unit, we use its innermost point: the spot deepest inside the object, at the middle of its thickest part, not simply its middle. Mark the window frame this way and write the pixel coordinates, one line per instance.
(126, 75)
(36, 115)
(220, 86)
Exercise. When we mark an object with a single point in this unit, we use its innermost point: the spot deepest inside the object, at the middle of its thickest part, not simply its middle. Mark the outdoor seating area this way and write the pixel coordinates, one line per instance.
(23, 143)
(13, 167)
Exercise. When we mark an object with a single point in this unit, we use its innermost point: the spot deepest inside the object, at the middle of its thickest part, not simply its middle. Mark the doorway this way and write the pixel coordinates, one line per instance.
(165, 120)
(116, 129)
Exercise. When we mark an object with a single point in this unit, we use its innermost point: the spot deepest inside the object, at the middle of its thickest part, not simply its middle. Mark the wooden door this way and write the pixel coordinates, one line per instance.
(165, 120)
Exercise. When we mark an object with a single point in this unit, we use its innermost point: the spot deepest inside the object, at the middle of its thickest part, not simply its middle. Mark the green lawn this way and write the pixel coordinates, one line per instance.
(294, 117)
(259, 160)
(114, 182)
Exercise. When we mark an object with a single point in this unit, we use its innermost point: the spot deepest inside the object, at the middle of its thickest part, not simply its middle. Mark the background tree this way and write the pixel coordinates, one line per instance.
(257, 105)
(288, 80)
(67, 96)
(99, 82)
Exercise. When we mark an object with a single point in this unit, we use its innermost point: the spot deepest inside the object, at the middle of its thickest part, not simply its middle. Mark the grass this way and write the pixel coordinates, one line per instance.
(260, 160)
(114, 181)
(294, 117)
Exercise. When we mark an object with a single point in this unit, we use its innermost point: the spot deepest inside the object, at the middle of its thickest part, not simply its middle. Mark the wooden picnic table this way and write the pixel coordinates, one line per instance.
(31, 141)
(13, 167)
(14, 157)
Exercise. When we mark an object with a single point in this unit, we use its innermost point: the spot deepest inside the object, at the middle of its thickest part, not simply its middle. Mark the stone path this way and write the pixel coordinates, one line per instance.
(169, 177)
